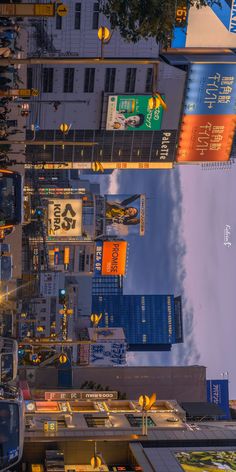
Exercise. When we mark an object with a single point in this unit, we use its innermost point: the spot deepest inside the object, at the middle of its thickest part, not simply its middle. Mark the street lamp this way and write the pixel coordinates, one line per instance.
(104, 35)
(146, 404)
(156, 101)
(96, 460)
(64, 128)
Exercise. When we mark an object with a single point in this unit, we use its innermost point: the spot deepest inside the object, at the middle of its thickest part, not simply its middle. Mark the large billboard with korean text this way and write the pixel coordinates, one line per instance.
(65, 218)
(132, 113)
(110, 258)
(125, 215)
(207, 461)
(218, 25)
(209, 120)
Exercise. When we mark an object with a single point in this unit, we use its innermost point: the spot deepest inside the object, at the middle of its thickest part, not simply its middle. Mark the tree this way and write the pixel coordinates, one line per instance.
(144, 19)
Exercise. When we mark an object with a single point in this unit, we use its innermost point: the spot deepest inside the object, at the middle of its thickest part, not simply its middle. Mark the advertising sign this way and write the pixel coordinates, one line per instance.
(132, 113)
(108, 353)
(218, 393)
(114, 257)
(106, 334)
(211, 89)
(110, 258)
(80, 395)
(65, 218)
(205, 138)
(218, 26)
(125, 215)
(207, 461)
(209, 120)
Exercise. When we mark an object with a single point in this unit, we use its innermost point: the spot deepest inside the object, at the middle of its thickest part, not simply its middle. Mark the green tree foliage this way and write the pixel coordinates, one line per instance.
(143, 19)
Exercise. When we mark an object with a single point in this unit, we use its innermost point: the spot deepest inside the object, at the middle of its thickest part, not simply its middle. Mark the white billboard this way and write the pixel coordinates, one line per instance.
(108, 353)
(65, 218)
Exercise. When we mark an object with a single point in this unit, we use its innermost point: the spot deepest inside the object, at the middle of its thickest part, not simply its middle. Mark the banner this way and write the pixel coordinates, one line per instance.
(205, 138)
(125, 215)
(132, 113)
(211, 89)
(218, 393)
(207, 461)
(65, 218)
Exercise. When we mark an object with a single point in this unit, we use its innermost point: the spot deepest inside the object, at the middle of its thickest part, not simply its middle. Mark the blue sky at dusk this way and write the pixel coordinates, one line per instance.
(183, 253)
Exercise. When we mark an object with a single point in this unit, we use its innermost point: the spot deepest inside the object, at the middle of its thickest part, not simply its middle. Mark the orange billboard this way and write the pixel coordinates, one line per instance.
(114, 257)
(206, 138)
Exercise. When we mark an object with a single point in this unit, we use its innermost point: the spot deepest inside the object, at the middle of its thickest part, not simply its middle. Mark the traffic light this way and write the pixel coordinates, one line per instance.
(62, 296)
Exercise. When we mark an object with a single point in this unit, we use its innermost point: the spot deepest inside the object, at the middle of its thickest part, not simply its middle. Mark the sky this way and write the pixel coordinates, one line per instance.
(183, 252)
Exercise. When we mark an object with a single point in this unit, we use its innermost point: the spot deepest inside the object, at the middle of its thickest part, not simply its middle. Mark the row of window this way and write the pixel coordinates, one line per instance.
(89, 79)
(77, 22)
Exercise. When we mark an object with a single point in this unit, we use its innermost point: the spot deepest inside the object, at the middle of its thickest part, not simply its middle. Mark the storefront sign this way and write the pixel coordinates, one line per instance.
(218, 393)
(50, 426)
(27, 9)
(81, 395)
(65, 218)
(132, 113)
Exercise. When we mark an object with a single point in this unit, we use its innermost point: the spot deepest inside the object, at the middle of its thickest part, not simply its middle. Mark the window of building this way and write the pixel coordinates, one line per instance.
(69, 73)
(95, 15)
(58, 22)
(89, 79)
(77, 15)
(29, 78)
(97, 422)
(130, 80)
(48, 79)
(110, 78)
(136, 421)
(148, 87)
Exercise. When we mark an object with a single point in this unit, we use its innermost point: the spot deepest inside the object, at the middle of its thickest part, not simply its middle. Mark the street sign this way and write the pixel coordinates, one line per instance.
(62, 10)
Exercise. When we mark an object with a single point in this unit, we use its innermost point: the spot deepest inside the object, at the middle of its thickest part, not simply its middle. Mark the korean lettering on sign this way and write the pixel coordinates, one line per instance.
(211, 89)
(98, 257)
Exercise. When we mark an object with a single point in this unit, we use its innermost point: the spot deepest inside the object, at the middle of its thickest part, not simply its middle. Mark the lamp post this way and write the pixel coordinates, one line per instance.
(146, 404)
(104, 35)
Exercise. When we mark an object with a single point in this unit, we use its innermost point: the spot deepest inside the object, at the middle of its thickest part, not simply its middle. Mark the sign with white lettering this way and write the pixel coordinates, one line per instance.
(65, 218)
(81, 395)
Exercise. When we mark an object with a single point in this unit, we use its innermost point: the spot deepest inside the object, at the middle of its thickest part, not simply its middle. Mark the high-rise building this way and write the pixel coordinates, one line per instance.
(150, 322)
(107, 285)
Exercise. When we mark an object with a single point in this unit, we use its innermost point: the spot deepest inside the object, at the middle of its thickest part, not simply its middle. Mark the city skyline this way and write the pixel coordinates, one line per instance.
(186, 190)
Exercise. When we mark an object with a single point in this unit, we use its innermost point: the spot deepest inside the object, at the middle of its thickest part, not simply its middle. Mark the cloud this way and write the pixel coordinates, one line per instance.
(113, 185)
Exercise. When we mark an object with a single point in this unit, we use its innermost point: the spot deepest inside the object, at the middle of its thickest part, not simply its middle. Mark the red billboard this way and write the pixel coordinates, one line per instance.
(206, 138)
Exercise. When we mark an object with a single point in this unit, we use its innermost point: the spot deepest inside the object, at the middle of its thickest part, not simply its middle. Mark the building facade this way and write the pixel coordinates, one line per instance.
(150, 322)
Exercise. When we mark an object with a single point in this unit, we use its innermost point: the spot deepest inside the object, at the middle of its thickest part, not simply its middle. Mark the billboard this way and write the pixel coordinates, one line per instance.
(218, 25)
(209, 120)
(207, 461)
(211, 89)
(106, 334)
(205, 138)
(132, 113)
(218, 393)
(125, 215)
(110, 258)
(65, 218)
(108, 353)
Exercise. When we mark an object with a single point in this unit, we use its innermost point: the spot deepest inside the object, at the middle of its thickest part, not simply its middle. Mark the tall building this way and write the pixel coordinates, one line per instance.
(107, 285)
(150, 322)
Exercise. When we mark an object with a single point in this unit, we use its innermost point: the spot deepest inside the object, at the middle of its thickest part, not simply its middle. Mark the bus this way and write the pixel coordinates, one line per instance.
(11, 199)
(8, 359)
(11, 426)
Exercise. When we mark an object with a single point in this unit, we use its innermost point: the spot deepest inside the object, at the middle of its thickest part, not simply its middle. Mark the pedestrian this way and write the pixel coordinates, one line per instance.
(4, 80)
(4, 42)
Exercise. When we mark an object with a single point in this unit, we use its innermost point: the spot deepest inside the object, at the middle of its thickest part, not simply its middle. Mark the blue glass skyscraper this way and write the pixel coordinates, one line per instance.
(150, 322)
